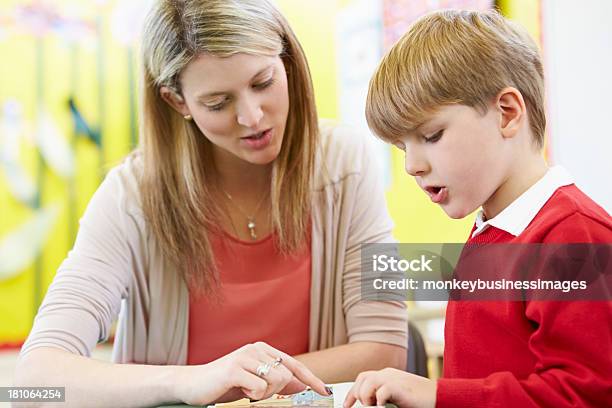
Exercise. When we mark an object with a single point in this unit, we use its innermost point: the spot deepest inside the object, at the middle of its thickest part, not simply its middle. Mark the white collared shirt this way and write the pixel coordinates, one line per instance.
(517, 216)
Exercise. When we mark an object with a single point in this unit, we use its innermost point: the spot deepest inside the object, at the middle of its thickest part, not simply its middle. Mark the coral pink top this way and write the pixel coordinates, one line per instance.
(265, 297)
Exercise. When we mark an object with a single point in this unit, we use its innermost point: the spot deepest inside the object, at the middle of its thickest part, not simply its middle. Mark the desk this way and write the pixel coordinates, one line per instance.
(301, 400)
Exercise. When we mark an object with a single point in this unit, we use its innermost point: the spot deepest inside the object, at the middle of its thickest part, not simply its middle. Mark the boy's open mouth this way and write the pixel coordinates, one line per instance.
(437, 194)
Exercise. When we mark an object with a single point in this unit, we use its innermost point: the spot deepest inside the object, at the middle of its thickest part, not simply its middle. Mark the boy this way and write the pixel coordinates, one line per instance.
(462, 95)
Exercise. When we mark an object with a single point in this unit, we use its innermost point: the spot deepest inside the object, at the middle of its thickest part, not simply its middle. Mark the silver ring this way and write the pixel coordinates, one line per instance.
(263, 370)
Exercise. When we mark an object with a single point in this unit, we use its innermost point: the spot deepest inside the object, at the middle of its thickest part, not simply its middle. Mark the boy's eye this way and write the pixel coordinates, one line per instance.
(435, 137)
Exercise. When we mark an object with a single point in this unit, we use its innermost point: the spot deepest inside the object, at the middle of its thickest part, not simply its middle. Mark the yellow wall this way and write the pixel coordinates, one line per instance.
(314, 26)
(525, 12)
(18, 81)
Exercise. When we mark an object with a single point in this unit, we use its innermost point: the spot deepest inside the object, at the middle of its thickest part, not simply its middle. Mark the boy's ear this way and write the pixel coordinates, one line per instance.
(175, 100)
(511, 105)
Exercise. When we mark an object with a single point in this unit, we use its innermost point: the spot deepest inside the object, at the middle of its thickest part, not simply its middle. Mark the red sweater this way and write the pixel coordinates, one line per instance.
(534, 353)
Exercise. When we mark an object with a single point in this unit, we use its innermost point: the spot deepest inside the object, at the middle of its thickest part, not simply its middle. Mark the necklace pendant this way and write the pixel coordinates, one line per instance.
(251, 227)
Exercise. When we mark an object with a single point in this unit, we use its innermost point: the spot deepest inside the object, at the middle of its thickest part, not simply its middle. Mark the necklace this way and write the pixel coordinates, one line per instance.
(250, 218)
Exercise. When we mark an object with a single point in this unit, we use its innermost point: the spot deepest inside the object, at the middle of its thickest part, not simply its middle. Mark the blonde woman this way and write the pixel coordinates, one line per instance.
(230, 240)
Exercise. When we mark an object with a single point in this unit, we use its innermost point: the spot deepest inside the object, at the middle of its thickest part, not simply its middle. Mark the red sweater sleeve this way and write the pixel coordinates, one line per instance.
(571, 341)
(573, 347)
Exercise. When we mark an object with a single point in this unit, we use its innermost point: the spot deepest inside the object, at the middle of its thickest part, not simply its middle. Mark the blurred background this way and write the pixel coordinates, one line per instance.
(69, 101)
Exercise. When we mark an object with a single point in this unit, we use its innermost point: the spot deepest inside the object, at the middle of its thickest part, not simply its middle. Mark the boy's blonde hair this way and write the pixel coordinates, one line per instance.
(454, 56)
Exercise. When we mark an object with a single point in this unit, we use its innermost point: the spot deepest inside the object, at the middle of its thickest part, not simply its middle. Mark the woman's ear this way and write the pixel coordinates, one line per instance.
(175, 100)
(511, 105)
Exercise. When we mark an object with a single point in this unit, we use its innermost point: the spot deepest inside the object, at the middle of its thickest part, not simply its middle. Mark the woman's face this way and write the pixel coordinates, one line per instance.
(240, 103)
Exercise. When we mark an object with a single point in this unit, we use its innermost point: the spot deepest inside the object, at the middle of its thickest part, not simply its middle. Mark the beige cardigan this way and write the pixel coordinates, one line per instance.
(116, 269)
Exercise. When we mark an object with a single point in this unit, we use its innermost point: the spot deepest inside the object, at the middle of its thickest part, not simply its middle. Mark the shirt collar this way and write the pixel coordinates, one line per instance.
(517, 216)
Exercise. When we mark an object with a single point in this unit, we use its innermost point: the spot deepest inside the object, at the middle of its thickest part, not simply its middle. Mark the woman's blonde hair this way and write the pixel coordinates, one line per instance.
(454, 56)
(178, 173)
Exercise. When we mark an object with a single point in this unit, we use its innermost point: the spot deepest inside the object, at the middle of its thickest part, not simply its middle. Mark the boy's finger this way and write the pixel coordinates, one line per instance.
(367, 389)
(353, 394)
(349, 400)
(367, 396)
(382, 395)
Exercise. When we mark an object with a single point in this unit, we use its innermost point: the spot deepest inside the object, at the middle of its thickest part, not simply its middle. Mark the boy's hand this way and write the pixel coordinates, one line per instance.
(391, 385)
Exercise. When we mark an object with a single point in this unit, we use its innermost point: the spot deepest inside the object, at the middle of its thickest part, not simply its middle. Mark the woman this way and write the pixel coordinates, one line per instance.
(239, 220)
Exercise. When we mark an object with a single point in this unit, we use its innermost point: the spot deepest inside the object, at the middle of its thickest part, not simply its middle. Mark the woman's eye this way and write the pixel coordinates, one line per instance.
(435, 137)
(216, 107)
(264, 85)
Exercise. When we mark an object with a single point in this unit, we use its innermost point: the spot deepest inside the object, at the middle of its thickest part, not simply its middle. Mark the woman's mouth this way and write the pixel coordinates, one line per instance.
(258, 140)
(437, 194)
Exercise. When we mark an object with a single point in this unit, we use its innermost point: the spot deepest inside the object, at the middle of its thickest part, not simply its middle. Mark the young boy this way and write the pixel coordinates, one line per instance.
(462, 95)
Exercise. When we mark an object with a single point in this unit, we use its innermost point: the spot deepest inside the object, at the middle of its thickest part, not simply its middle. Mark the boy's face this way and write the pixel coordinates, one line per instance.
(458, 157)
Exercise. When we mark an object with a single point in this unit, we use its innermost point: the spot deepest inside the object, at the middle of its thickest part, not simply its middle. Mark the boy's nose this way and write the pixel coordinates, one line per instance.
(249, 114)
(415, 164)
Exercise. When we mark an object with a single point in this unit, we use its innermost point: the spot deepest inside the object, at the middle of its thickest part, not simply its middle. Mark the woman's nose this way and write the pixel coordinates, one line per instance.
(250, 113)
